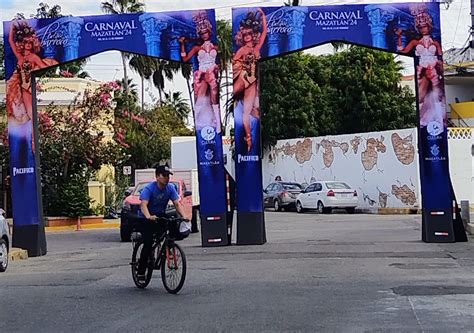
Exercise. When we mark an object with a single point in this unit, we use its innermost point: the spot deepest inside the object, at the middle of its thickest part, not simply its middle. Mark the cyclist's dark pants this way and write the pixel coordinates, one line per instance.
(147, 228)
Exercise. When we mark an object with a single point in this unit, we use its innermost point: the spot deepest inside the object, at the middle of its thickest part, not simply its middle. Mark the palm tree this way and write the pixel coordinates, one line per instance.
(122, 7)
(224, 35)
(164, 70)
(144, 66)
(125, 100)
(187, 72)
(178, 103)
(159, 70)
(44, 11)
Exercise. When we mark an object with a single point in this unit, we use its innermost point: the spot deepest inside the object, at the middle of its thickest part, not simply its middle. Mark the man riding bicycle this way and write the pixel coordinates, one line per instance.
(153, 201)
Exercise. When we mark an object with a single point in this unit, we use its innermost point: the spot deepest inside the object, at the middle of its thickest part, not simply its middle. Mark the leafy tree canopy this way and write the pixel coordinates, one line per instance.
(145, 136)
(74, 147)
(355, 90)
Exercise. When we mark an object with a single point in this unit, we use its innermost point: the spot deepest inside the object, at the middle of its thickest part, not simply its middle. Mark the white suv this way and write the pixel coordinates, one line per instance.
(4, 242)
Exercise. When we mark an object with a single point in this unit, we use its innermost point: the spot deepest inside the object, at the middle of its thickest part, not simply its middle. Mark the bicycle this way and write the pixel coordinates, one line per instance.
(165, 255)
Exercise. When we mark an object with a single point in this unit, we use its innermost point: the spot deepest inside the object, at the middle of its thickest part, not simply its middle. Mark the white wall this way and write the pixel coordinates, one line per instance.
(461, 165)
(304, 160)
(366, 161)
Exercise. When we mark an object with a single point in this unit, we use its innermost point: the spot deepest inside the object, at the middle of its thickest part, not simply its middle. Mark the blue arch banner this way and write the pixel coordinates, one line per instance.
(411, 29)
(185, 36)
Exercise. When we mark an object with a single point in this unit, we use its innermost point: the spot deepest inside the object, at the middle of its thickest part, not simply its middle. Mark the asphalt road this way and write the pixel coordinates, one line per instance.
(327, 273)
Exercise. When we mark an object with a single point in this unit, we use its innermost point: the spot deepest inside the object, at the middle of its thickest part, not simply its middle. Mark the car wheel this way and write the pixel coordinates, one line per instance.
(276, 206)
(350, 210)
(320, 207)
(299, 207)
(3, 255)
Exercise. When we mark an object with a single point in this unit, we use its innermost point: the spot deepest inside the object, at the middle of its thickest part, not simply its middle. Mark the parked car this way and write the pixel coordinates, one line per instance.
(131, 205)
(281, 195)
(326, 195)
(4, 242)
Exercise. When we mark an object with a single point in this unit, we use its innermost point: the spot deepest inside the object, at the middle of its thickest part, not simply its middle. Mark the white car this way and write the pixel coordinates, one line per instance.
(326, 195)
(4, 242)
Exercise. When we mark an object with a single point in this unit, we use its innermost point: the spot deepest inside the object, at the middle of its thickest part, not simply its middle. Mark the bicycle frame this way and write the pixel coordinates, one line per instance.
(164, 255)
(162, 243)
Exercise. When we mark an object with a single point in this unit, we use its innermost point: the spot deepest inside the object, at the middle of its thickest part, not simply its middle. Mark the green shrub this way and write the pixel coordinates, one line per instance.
(73, 199)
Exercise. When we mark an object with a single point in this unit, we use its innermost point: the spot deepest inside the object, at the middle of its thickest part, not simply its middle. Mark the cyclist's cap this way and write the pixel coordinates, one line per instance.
(163, 170)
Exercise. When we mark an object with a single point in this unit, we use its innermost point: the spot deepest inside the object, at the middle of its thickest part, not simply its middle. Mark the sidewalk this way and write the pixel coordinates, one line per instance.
(19, 254)
(106, 224)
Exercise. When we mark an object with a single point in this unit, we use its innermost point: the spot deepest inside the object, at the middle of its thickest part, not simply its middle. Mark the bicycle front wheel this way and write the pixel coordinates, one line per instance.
(140, 283)
(173, 268)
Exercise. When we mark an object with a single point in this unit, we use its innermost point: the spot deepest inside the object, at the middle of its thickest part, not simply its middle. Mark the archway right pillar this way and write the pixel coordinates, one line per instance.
(409, 29)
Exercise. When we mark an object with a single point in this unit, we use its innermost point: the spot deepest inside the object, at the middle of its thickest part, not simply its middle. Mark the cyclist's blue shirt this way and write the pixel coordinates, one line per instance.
(157, 198)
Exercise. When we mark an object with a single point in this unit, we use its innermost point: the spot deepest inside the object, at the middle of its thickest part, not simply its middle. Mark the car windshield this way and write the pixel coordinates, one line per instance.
(337, 186)
(291, 186)
(140, 186)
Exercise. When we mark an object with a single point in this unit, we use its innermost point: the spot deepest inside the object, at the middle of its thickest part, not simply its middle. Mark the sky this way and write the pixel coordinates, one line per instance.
(455, 23)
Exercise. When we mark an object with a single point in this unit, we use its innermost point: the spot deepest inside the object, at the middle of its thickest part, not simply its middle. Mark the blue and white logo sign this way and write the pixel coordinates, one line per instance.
(208, 133)
(434, 150)
(209, 154)
(434, 128)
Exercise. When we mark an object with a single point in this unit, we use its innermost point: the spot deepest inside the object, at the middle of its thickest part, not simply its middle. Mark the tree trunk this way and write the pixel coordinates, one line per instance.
(125, 76)
(143, 93)
(190, 92)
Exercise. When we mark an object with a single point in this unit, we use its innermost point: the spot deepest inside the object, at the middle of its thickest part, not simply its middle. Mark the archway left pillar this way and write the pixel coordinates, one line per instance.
(28, 226)
(31, 236)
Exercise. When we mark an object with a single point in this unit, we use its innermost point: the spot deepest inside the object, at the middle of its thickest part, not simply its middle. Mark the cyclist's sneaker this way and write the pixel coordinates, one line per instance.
(141, 277)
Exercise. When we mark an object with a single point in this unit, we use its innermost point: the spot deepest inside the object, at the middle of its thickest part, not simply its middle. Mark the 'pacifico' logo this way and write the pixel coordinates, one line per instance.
(247, 158)
(22, 171)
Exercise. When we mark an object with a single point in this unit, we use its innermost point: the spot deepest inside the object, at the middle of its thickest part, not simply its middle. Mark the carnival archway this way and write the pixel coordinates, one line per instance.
(258, 34)
(35, 44)
(411, 29)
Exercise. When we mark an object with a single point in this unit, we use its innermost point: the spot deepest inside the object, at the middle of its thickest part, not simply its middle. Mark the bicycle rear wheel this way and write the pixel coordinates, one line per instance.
(173, 268)
(140, 283)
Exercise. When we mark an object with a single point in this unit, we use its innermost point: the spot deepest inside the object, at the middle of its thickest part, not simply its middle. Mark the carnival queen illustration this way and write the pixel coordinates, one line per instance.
(26, 48)
(429, 68)
(205, 77)
(250, 37)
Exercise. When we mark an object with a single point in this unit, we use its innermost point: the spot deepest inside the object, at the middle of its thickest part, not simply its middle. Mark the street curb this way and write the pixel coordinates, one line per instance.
(114, 225)
(470, 228)
(398, 211)
(18, 254)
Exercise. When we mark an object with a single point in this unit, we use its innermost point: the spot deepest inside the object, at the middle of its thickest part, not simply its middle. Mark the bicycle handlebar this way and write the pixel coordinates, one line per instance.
(160, 219)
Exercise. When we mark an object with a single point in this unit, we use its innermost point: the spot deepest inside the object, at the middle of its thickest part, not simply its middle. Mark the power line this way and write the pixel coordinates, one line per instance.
(457, 22)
